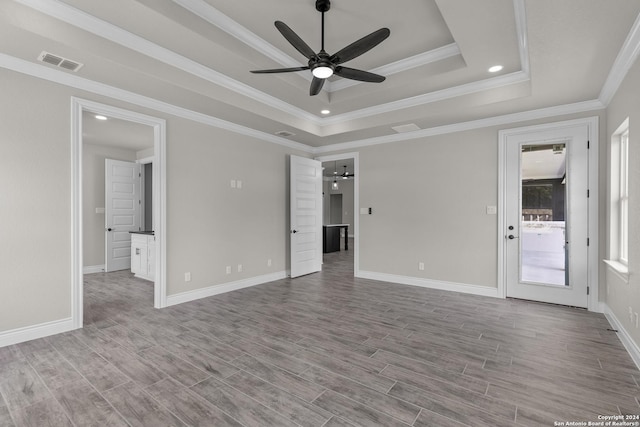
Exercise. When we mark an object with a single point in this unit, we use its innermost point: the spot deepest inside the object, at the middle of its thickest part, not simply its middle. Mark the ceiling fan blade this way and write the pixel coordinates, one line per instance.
(363, 76)
(361, 46)
(280, 70)
(295, 40)
(316, 86)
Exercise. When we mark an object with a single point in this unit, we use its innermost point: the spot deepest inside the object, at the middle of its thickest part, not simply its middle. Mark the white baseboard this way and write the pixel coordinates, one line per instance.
(432, 284)
(29, 333)
(627, 341)
(225, 287)
(90, 269)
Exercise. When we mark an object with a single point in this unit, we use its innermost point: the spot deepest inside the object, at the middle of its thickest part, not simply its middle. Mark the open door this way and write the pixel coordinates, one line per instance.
(122, 211)
(306, 216)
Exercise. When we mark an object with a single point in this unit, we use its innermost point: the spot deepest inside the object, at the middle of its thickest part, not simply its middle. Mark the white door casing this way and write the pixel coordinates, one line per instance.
(579, 212)
(306, 215)
(122, 211)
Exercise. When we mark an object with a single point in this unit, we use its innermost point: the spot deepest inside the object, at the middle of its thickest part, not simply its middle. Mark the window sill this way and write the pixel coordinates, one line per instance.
(619, 269)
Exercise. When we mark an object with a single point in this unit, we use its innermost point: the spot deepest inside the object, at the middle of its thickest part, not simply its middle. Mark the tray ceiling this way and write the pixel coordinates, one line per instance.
(196, 55)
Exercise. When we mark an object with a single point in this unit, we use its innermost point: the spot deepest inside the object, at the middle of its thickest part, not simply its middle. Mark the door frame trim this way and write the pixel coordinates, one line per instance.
(591, 123)
(356, 202)
(78, 105)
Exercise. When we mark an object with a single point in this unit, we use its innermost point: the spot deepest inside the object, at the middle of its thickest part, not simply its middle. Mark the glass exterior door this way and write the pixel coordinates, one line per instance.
(543, 233)
(546, 215)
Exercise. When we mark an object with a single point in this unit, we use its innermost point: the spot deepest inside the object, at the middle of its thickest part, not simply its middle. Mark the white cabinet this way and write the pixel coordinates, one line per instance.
(143, 256)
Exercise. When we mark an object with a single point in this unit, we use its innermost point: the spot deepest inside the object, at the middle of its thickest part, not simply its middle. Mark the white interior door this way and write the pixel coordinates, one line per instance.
(122, 211)
(306, 216)
(546, 212)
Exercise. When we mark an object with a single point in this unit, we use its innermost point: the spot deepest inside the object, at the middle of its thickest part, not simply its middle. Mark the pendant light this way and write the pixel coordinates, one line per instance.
(334, 184)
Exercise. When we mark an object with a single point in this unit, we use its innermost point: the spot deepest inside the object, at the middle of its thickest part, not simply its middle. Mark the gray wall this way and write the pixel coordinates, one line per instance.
(35, 202)
(209, 225)
(436, 215)
(93, 157)
(345, 187)
(618, 295)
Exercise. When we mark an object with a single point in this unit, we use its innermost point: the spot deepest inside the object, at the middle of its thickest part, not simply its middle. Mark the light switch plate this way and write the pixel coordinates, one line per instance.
(99, 210)
(364, 211)
(492, 210)
(239, 184)
(233, 183)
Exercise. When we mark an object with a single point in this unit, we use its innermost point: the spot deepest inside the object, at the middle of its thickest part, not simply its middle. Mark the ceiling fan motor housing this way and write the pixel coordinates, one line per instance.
(323, 5)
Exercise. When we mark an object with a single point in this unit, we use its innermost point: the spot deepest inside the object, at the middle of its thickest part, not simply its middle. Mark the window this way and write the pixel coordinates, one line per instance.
(623, 200)
(619, 190)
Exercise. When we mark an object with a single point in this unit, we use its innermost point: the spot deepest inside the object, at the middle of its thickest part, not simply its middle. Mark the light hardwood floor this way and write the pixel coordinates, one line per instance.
(321, 350)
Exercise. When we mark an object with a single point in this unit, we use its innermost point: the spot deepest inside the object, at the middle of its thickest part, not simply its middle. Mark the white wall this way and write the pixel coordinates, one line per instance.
(93, 194)
(619, 296)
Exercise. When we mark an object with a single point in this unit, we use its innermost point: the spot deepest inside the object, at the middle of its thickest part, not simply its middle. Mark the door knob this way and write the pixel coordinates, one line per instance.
(294, 231)
(511, 237)
(109, 229)
(511, 227)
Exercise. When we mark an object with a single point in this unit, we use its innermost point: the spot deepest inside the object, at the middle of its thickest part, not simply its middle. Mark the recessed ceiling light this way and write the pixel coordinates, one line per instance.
(325, 112)
(99, 117)
(495, 68)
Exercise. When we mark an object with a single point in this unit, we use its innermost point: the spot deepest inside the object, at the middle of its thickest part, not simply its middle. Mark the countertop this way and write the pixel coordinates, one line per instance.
(148, 233)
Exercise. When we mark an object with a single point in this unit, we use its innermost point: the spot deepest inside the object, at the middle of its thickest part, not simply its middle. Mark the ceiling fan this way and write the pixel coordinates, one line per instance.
(323, 65)
(346, 174)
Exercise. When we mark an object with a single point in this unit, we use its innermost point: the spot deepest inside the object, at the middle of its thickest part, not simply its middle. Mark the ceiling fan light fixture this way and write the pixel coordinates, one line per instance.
(322, 72)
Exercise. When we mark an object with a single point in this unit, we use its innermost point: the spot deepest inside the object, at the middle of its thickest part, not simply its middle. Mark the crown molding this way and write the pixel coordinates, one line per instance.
(212, 15)
(76, 82)
(405, 64)
(560, 110)
(521, 33)
(627, 56)
(430, 97)
(89, 23)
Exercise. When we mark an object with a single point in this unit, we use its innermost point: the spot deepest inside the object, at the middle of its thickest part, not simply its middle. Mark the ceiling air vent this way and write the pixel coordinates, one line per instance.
(59, 61)
(411, 127)
(285, 133)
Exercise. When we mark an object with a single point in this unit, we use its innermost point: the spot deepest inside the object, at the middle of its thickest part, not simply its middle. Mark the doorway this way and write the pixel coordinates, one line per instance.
(546, 217)
(341, 185)
(79, 107)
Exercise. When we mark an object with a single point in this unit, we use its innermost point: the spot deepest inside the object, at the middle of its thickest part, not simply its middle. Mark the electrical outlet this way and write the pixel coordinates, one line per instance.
(421, 266)
(269, 262)
(187, 277)
(228, 269)
(239, 268)
(492, 210)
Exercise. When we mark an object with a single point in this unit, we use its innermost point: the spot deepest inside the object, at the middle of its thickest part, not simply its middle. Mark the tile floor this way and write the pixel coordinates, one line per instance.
(322, 350)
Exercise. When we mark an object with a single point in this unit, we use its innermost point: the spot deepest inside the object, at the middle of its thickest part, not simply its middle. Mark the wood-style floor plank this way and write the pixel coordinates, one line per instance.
(85, 407)
(139, 408)
(323, 350)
